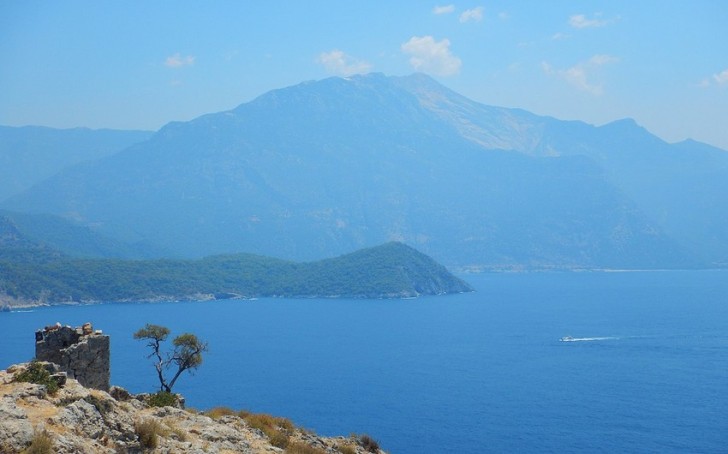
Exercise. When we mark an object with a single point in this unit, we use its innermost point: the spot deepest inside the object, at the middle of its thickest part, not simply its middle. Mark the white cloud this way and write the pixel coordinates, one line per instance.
(337, 62)
(178, 61)
(431, 56)
(560, 36)
(721, 78)
(581, 74)
(446, 9)
(475, 14)
(581, 21)
(503, 15)
(601, 59)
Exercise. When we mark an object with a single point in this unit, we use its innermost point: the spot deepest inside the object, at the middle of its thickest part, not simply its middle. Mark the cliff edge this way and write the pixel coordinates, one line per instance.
(77, 419)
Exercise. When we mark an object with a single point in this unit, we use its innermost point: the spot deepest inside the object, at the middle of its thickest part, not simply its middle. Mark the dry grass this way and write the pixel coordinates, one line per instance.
(346, 449)
(267, 423)
(176, 432)
(42, 443)
(218, 412)
(302, 448)
(148, 430)
(275, 428)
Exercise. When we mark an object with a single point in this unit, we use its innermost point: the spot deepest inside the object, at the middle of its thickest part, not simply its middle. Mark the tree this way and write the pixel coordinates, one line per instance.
(186, 355)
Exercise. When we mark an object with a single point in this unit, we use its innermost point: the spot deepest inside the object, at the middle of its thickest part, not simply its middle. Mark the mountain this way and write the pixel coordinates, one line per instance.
(30, 154)
(392, 270)
(330, 166)
(42, 237)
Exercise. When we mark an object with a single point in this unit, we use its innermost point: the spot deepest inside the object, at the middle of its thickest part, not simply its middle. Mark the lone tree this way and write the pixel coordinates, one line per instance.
(186, 355)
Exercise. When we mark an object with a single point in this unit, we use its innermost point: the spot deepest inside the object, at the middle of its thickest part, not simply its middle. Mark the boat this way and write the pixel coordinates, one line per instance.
(567, 339)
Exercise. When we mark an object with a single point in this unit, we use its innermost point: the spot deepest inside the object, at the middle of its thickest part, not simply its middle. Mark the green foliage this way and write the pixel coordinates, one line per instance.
(188, 350)
(154, 332)
(102, 405)
(390, 270)
(36, 373)
(148, 430)
(42, 443)
(162, 399)
(187, 353)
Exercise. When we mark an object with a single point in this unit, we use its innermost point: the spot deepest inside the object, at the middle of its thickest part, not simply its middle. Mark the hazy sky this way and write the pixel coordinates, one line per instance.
(141, 64)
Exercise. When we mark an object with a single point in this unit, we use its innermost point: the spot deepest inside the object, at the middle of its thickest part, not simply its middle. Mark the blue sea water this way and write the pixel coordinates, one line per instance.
(471, 373)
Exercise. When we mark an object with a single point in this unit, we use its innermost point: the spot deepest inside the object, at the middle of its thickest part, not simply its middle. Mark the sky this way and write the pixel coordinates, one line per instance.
(141, 64)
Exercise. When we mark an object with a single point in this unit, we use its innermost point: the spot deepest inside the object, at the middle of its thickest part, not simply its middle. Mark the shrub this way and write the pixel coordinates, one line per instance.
(40, 444)
(36, 373)
(302, 448)
(148, 430)
(162, 399)
(103, 406)
(368, 443)
(218, 412)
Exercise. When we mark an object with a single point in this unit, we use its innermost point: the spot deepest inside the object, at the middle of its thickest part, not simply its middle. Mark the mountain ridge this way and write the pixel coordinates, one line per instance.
(322, 167)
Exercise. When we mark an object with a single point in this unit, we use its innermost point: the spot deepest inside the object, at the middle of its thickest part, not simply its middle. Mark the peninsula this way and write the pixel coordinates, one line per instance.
(392, 270)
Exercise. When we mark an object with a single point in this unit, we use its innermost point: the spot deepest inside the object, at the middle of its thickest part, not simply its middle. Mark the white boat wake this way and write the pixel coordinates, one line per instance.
(585, 339)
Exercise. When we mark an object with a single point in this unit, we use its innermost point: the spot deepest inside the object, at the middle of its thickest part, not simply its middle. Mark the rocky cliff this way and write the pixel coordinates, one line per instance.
(77, 419)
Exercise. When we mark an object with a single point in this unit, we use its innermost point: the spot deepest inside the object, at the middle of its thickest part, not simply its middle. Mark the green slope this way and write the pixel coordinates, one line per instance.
(387, 271)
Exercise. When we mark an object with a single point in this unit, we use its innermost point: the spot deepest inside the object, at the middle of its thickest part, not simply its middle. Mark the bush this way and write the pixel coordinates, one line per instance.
(368, 443)
(148, 430)
(41, 443)
(103, 406)
(162, 399)
(36, 373)
(302, 448)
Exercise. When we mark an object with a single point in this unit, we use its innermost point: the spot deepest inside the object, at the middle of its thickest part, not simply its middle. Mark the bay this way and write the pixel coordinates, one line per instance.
(479, 372)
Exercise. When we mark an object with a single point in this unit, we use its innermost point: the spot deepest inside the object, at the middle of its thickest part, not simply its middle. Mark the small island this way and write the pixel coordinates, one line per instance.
(392, 270)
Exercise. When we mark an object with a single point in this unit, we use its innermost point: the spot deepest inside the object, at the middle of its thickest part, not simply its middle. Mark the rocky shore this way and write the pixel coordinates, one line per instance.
(76, 419)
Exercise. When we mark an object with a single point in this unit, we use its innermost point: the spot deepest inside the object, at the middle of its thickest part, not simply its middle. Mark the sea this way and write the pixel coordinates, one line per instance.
(480, 372)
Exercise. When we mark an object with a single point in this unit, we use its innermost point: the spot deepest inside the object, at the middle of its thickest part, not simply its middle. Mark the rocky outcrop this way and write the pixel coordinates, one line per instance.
(84, 354)
(77, 419)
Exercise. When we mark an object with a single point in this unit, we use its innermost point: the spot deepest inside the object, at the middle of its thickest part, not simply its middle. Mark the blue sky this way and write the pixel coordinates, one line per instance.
(141, 64)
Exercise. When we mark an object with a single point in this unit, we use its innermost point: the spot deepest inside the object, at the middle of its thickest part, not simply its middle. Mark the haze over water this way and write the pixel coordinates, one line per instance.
(467, 373)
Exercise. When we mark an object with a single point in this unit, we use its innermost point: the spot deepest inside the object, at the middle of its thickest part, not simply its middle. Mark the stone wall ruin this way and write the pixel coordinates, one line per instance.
(84, 354)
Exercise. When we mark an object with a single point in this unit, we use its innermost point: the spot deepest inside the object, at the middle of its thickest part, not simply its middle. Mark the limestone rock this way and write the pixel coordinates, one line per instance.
(83, 420)
(84, 416)
(16, 431)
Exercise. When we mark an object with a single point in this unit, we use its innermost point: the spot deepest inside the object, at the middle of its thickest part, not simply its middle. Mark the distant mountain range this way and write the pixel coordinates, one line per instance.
(31, 154)
(41, 237)
(322, 168)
